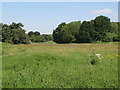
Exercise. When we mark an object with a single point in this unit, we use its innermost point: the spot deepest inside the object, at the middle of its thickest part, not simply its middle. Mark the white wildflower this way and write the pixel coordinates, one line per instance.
(99, 56)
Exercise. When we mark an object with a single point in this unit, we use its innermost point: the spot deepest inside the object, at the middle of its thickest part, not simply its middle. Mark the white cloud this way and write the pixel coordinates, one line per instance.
(102, 11)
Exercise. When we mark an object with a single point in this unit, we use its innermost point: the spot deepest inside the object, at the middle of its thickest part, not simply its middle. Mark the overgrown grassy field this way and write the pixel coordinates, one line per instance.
(59, 66)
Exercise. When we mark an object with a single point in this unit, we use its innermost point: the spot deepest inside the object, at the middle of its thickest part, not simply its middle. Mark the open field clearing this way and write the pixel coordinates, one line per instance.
(59, 66)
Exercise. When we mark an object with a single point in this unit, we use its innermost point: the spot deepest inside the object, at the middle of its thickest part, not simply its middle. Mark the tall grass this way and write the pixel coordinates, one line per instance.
(59, 66)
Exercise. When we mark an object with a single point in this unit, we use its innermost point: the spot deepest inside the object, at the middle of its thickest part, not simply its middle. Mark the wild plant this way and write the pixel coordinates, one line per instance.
(95, 58)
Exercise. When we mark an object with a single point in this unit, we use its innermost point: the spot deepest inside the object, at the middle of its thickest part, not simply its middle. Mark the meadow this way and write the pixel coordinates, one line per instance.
(59, 66)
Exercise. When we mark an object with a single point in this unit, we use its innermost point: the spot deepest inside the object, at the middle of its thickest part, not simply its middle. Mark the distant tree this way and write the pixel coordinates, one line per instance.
(14, 34)
(66, 37)
(102, 26)
(48, 37)
(115, 31)
(16, 25)
(19, 36)
(58, 33)
(30, 33)
(73, 29)
(36, 37)
(7, 34)
(36, 33)
(86, 32)
(112, 34)
(114, 27)
(99, 29)
(66, 33)
(39, 38)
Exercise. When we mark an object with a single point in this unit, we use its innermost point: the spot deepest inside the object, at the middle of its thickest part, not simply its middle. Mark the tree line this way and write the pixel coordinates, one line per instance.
(101, 29)
(15, 34)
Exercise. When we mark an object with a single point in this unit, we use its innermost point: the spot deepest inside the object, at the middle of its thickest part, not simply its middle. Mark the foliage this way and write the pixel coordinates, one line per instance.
(47, 37)
(86, 32)
(36, 37)
(14, 34)
(98, 30)
(58, 33)
(102, 26)
(66, 33)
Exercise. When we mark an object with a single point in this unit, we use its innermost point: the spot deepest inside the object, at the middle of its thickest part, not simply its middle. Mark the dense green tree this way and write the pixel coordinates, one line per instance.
(16, 25)
(86, 32)
(48, 37)
(58, 33)
(7, 34)
(19, 36)
(114, 28)
(35, 36)
(65, 36)
(112, 35)
(73, 29)
(36, 33)
(14, 34)
(66, 33)
(102, 26)
(116, 31)
(30, 33)
(99, 29)
(39, 38)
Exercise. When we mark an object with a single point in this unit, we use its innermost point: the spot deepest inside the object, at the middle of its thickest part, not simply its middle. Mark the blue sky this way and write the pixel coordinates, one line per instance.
(46, 16)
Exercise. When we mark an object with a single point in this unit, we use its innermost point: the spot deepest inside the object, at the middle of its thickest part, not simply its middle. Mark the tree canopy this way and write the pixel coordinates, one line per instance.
(66, 33)
(15, 34)
(101, 29)
(98, 30)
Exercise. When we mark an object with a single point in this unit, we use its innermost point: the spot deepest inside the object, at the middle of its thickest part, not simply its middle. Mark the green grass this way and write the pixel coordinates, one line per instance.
(59, 66)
